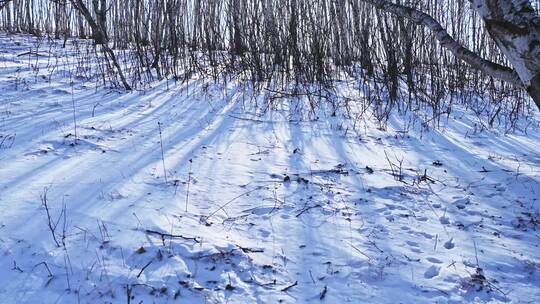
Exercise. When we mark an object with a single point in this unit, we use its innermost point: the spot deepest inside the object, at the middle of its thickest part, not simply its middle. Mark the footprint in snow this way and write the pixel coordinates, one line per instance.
(424, 234)
(434, 260)
(444, 220)
(449, 244)
(432, 272)
(422, 219)
(411, 243)
(264, 233)
(462, 203)
(414, 247)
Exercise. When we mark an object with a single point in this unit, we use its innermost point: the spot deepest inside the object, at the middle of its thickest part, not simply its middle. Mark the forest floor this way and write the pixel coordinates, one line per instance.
(255, 207)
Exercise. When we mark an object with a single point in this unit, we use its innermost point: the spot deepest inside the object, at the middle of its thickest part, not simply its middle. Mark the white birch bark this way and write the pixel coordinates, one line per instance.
(515, 28)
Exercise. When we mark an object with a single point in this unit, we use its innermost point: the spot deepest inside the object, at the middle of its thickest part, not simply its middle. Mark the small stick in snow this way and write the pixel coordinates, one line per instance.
(15, 267)
(250, 250)
(290, 286)
(311, 276)
(188, 182)
(74, 114)
(144, 267)
(232, 200)
(67, 272)
(162, 154)
(360, 251)
(323, 292)
(50, 223)
(308, 208)
(46, 266)
(138, 220)
(476, 254)
(163, 235)
(229, 286)
(128, 293)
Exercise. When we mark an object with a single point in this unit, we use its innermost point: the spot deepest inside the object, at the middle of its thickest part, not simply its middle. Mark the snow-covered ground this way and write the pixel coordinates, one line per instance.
(256, 208)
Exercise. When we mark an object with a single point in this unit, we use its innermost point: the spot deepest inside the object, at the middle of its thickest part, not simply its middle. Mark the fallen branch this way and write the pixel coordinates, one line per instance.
(144, 267)
(230, 201)
(172, 236)
(307, 208)
(250, 250)
(323, 292)
(290, 286)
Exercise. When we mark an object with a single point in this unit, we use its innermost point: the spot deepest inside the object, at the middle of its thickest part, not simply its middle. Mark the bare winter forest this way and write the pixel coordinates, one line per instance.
(246, 151)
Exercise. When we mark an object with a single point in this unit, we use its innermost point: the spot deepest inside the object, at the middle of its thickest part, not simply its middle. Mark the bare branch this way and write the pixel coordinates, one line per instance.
(490, 68)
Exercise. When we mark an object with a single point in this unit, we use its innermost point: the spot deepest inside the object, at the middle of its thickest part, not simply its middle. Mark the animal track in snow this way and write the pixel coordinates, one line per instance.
(449, 244)
(434, 260)
(432, 272)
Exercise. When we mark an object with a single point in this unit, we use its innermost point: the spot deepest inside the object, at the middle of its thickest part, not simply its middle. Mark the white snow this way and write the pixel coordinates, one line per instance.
(280, 208)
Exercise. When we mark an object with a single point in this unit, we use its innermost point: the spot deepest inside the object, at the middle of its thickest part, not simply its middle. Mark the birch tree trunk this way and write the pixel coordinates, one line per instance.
(512, 24)
(515, 27)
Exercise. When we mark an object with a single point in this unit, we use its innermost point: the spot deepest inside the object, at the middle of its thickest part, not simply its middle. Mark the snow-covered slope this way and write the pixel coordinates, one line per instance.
(256, 208)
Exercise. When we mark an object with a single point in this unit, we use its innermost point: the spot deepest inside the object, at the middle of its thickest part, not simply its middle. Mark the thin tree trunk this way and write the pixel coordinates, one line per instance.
(100, 37)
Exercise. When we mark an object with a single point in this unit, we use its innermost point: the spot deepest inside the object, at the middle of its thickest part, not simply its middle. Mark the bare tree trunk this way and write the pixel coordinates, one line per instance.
(514, 26)
(4, 3)
(99, 34)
